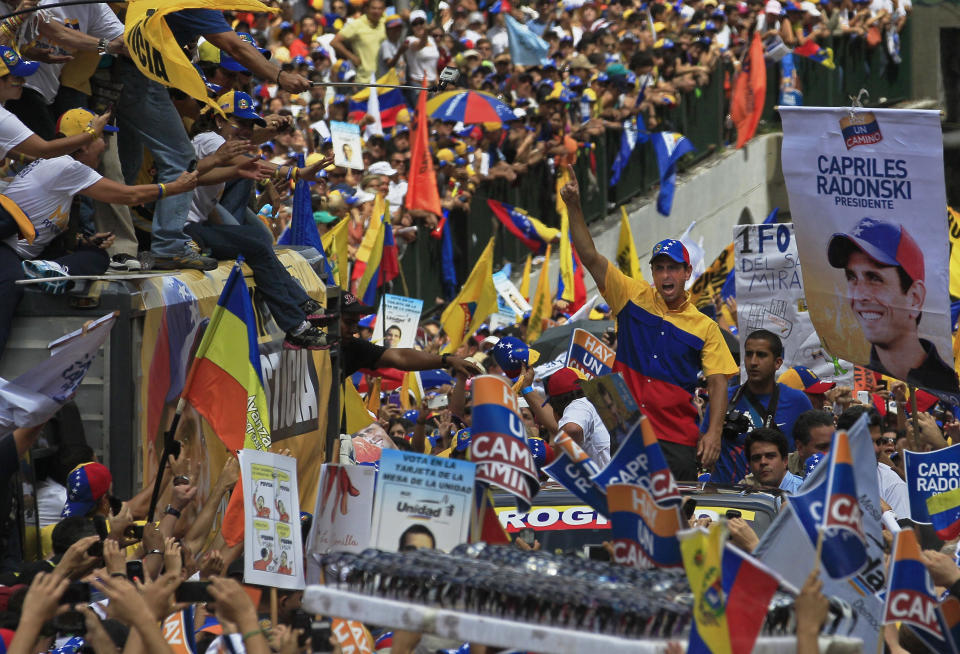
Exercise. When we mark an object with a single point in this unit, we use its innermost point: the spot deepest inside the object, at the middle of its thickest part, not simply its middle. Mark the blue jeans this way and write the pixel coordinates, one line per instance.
(146, 117)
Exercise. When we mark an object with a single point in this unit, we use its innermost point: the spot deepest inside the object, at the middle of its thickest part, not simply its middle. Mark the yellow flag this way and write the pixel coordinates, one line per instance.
(373, 397)
(566, 247)
(542, 306)
(335, 244)
(411, 385)
(627, 260)
(154, 50)
(954, 219)
(713, 278)
(525, 280)
(702, 552)
(475, 302)
(356, 410)
(390, 78)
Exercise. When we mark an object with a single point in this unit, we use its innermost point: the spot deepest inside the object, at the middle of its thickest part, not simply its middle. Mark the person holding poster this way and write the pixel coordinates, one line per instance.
(884, 269)
(664, 344)
(867, 196)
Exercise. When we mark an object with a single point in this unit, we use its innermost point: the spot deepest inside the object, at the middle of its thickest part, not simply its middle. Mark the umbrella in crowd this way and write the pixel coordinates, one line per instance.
(471, 107)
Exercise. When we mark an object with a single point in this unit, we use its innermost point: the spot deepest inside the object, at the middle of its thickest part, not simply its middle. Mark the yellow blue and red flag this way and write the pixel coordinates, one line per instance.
(391, 102)
(812, 50)
(832, 507)
(366, 268)
(531, 232)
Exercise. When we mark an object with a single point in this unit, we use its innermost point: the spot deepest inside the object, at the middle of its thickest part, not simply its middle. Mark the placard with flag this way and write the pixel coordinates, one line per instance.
(831, 512)
(531, 232)
(910, 595)
(668, 147)
(575, 477)
(933, 485)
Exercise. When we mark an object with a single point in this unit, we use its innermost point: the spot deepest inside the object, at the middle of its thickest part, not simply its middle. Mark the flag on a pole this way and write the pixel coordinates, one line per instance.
(366, 267)
(627, 260)
(668, 147)
(389, 104)
(225, 385)
(634, 133)
(542, 304)
(390, 261)
(475, 302)
(303, 228)
(525, 278)
(422, 192)
(749, 92)
(335, 241)
(531, 232)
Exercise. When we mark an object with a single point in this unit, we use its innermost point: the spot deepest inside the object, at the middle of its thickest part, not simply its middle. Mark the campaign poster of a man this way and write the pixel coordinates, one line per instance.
(886, 290)
(391, 337)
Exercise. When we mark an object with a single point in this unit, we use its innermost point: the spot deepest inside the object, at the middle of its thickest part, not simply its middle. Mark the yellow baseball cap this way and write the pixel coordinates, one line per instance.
(75, 121)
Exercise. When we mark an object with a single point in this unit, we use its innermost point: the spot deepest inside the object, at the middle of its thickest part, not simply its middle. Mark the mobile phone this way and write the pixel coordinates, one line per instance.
(192, 166)
(598, 553)
(320, 633)
(863, 397)
(135, 570)
(77, 592)
(438, 402)
(302, 620)
(527, 535)
(733, 513)
(193, 591)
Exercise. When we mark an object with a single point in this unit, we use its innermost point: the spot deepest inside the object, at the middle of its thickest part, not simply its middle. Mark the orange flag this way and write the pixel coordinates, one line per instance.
(422, 190)
(749, 92)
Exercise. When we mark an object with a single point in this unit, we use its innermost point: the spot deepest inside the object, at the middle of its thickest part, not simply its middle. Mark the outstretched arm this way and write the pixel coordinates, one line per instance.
(595, 262)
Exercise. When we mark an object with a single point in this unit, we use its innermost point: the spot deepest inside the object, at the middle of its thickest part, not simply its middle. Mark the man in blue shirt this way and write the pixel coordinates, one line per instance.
(147, 117)
(767, 453)
(762, 400)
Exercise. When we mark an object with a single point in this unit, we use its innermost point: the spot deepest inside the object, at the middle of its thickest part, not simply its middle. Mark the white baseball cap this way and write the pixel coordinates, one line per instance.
(382, 168)
(810, 8)
(773, 7)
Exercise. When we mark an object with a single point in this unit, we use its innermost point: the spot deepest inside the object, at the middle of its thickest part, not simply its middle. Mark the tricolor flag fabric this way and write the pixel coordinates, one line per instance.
(366, 268)
(723, 577)
(812, 50)
(390, 261)
(389, 102)
(448, 271)
(831, 512)
(932, 479)
(225, 384)
(910, 596)
(475, 302)
(531, 232)
(668, 147)
(571, 287)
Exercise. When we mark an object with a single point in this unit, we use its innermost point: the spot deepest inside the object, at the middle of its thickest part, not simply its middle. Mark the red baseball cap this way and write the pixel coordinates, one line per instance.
(566, 380)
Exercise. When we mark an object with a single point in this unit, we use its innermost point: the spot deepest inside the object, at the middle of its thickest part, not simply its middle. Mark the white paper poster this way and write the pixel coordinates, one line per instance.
(397, 321)
(867, 197)
(272, 551)
(510, 293)
(341, 517)
(770, 296)
(347, 147)
(422, 492)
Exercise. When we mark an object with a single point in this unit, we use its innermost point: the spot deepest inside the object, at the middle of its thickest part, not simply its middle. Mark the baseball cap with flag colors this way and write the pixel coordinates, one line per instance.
(671, 247)
(76, 121)
(11, 63)
(804, 379)
(888, 244)
(240, 105)
(86, 484)
(511, 354)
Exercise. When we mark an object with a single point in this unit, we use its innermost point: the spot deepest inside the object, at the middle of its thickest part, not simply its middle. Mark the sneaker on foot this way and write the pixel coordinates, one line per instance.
(315, 313)
(309, 339)
(41, 269)
(188, 260)
(125, 262)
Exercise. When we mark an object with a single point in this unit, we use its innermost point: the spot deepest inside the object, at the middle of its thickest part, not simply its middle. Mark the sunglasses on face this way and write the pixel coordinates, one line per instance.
(884, 441)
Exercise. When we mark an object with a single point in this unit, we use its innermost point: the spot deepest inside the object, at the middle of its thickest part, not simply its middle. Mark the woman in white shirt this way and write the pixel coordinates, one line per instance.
(422, 53)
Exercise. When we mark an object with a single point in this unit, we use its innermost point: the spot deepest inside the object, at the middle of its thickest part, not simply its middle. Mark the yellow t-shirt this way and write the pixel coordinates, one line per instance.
(364, 40)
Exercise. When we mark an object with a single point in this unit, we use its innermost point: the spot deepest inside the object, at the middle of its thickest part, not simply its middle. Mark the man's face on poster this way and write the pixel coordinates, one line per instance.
(884, 300)
(392, 337)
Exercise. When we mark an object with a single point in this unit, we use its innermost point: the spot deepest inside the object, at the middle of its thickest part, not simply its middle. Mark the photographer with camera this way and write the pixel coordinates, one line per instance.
(761, 402)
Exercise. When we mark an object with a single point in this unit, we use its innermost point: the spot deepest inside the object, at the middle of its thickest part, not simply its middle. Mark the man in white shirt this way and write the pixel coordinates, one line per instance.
(576, 415)
(893, 490)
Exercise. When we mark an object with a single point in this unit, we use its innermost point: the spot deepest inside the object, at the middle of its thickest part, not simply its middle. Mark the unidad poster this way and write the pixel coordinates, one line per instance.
(397, 321)
(423, 492)
(867, 197)
(272, 548)
(770, 296)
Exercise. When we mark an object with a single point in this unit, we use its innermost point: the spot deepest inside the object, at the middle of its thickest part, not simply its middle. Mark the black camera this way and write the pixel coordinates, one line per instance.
(736, 422)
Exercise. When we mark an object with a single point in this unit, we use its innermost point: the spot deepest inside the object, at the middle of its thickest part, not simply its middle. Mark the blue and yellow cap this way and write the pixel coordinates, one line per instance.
(239, 104)
(11, 63)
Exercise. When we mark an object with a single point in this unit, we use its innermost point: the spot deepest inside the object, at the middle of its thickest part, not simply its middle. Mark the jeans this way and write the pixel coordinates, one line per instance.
(85, 261)
(146, 117)
(279, 290)
(246, 217)
(236, 197)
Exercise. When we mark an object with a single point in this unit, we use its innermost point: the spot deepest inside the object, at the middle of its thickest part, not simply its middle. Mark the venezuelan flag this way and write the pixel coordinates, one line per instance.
(531, 232)
(811, 50)
(366, 268)
(944, 510)
(910, 595)
(391, 102)
(390, 261)
(225, 384)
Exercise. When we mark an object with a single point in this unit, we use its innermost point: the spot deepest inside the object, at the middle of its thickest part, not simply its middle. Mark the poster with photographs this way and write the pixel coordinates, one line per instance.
(347, 146)
(397, 320)
(273, 552)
